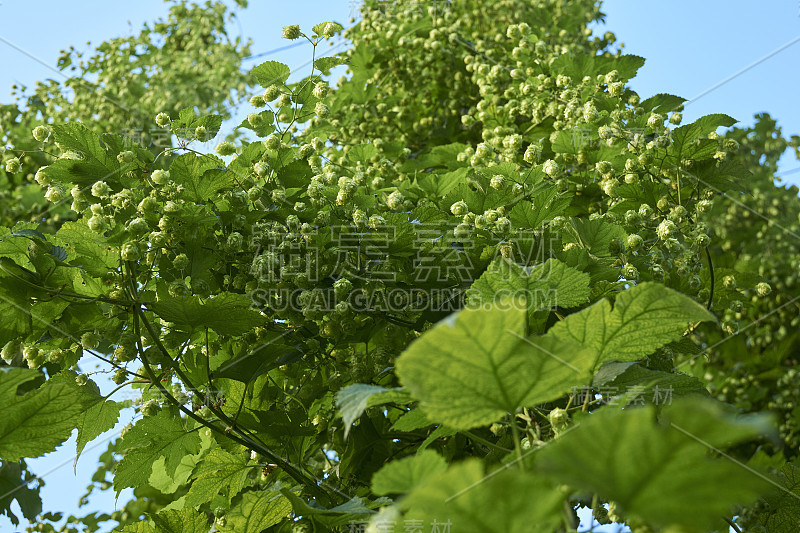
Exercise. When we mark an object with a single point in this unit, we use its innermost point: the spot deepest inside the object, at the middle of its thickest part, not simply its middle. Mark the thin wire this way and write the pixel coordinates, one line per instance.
(745, 69)
(792, 171)
(276, 50)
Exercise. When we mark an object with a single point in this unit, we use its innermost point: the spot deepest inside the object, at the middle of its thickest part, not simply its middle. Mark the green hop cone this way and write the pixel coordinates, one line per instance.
(41, 133)
(162, 120)
(13, 165)
(225, 148)
(130, 252)
(291, 32)
(126, 157)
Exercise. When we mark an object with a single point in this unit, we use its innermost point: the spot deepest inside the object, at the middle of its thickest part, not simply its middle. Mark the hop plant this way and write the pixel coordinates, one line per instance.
(200, 133)
(160, 177)
(126, 157)
(630, 272)
(284, 100)
(150, 408)
(163, 120)
(559, 419)
(42, 178)
(616, 89)
(101, 189)
(550, 168)
(330, 29)
(655, 120)
(291, 32)
(665, 229)
(273, 142)
(90, 340)
(54, 193)
(271, 93)
(321, 110)
(395, 200)
(320, 90)
(181, 261)
(10, 351)
(532, 154)
(261, 169)
(342, 287)
(763, 288)
(225, 148)
(255, 119)
(41, 133)
(130, 252)
(634, 241)
(459, 208)
(13, 165)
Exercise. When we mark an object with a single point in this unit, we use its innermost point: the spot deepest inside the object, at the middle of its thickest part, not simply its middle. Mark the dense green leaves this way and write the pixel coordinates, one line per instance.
(424, 293)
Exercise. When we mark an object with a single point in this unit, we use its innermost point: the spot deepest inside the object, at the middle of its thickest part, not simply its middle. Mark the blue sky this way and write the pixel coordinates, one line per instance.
(690, 47)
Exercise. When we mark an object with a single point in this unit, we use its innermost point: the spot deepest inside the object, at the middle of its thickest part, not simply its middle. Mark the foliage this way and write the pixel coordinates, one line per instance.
(479, 282)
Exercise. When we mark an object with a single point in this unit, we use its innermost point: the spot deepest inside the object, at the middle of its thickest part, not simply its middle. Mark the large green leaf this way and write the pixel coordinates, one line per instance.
(508, 501)
(543, 207)
(14, 486)
(15, 314)
(87, 248)
(227, 313)
(691, 140)
(202, 177)
(644, 385)
(95, 164)
(548, 285)
(219, 470)
(257, 511)
(593, 235)
(354, 399)
(352, 511)
(270, 73)
(100, 417)
(660, 472)
(37, 422)
(477, 365)
(400, 477)
(182, 521)
(781, 514)
(161, 435)
(644, 318)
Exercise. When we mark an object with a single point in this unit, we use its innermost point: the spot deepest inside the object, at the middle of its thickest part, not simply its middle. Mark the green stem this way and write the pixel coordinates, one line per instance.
(517, 443)
(485, 442)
